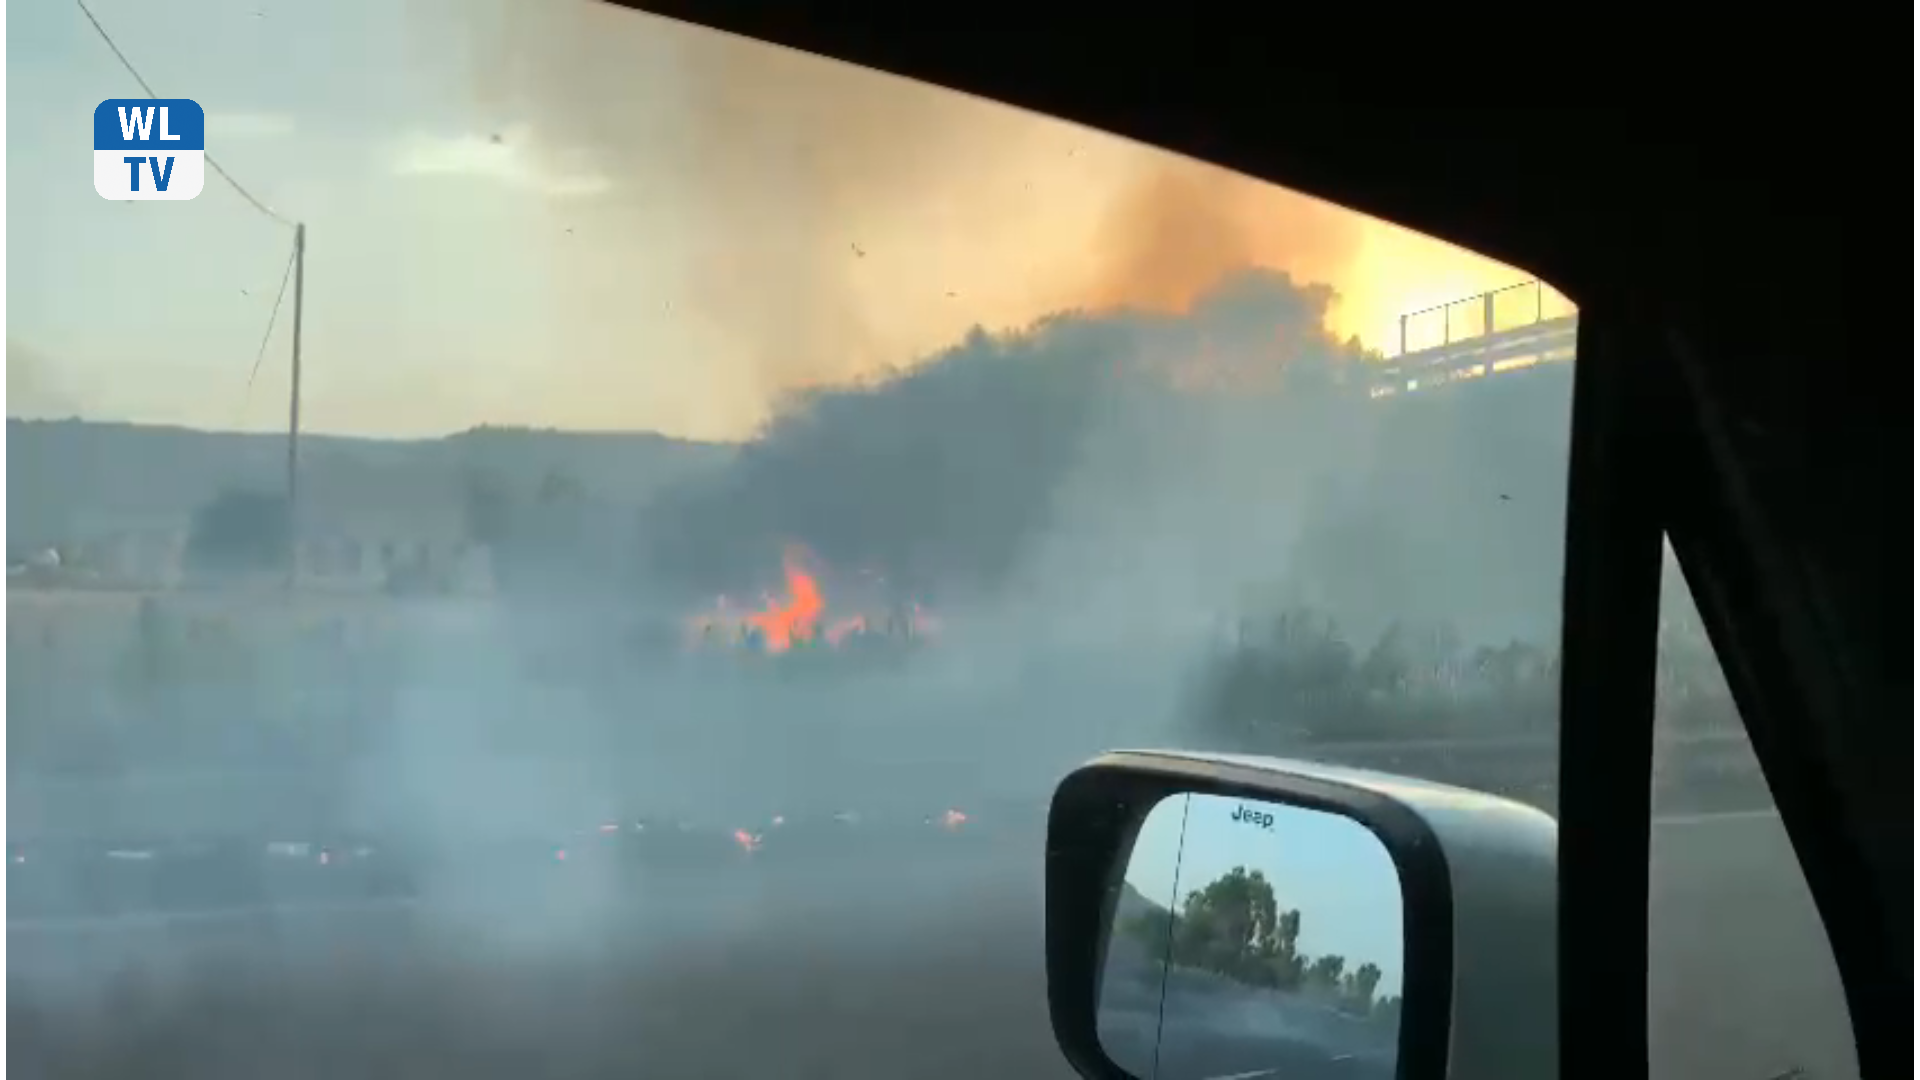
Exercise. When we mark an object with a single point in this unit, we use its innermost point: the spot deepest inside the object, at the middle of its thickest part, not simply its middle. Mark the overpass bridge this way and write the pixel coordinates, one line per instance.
(1518, 328)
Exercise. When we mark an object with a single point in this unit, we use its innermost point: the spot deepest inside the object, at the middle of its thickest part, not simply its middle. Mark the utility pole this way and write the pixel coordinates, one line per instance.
(293, 410)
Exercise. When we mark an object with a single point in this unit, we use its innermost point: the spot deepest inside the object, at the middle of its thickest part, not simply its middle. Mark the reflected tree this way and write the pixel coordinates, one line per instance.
(1234, 928)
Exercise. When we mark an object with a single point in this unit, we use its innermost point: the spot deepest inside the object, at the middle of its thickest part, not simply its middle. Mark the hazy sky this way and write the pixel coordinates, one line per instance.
(558, 213)
(1336, 873)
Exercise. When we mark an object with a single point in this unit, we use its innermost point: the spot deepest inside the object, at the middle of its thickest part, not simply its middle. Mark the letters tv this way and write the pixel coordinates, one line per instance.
(149, 148)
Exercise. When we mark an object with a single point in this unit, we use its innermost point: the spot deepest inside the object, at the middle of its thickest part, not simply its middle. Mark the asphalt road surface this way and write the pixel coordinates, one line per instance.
(927, 967)
(1190, 1048)
(1193, 1026)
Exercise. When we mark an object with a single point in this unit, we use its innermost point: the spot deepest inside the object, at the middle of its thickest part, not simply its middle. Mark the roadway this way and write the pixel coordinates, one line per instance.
(920, 962)
(1210, 1029)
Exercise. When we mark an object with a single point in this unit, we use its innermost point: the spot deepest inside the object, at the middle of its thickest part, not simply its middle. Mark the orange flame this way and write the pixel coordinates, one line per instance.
(801, 617)
(781, 625)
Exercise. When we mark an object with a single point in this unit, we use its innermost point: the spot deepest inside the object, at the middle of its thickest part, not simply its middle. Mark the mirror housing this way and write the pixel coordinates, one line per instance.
(1478, 891)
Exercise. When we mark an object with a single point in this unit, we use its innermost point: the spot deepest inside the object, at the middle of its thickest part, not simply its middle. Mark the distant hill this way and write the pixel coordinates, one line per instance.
(1133, 905)
(72, 480)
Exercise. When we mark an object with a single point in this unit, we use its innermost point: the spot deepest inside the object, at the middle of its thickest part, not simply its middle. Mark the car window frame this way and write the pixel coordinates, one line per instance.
(1817, 722)
(1652, 463)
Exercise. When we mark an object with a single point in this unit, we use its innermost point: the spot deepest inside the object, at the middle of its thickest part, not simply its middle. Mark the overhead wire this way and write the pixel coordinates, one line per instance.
(237, 186)
(273, 317)
(144, 85)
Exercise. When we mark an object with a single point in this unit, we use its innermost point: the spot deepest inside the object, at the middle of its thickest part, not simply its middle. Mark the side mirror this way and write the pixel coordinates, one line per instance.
(1215, 916)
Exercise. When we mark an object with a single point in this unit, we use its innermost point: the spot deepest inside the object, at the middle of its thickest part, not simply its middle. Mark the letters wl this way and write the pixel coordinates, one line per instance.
(138, 121)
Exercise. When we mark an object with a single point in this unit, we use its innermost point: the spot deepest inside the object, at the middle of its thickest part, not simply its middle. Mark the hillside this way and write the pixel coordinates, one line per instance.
(75, 479)
(1133, 906)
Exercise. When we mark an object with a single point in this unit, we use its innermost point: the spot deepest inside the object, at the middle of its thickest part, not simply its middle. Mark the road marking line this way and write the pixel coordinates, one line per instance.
(1705, 819)
(139, 919)
(1254, 1075)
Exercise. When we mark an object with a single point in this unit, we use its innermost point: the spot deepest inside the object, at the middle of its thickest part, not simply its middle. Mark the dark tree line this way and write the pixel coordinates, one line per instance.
(239, 531)
(943, 475)
(943, 478)
(1294, 679)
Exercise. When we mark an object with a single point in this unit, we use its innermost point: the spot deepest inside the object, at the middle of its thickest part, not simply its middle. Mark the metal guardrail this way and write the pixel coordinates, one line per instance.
(1495, 333)
(1490, 313)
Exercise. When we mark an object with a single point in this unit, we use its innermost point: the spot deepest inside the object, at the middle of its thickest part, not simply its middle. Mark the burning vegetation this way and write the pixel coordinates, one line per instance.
(800, 618)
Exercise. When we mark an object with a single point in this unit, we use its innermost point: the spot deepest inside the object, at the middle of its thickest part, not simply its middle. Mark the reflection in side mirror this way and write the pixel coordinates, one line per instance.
(1253, 939)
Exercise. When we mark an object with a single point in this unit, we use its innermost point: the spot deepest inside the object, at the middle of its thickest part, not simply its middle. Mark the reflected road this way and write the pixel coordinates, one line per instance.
(1210, 1028)
(1191, 1049)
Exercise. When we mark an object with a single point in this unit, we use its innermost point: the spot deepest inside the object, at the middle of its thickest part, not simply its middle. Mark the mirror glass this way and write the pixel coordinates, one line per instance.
(1253, 940)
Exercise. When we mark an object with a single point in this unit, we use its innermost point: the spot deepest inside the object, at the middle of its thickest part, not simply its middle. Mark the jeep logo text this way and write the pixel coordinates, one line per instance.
(1247, 815)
